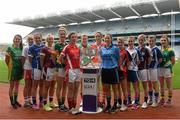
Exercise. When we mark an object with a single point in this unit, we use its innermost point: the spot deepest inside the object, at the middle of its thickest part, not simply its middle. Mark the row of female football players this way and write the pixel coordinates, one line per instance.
(44, 65)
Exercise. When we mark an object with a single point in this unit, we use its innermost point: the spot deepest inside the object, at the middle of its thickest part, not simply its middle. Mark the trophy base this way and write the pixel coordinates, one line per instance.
(99, 110)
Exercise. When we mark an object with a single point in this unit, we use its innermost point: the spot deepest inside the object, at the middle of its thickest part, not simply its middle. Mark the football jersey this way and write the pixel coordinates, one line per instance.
(74, 55)
(34, 52)
(166, 57)
(135, 58)
(145, 54)
(110, 56)
(27, 64)
(125, 58)
(155, 56)
(15, 66)
(49, 57)
(59, 47)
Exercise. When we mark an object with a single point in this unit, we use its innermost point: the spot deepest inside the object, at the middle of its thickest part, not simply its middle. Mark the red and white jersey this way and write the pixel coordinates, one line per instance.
(73, 52)
(124, 59)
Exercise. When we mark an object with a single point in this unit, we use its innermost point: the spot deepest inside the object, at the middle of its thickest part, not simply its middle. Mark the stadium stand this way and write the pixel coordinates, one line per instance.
(150, 18)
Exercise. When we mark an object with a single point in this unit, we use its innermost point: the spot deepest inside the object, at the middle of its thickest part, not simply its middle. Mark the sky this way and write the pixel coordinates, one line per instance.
(11, 10)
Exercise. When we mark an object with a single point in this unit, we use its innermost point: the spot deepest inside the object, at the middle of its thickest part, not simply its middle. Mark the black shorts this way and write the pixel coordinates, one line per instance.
(121, 75)
(132, 76)
(109, 76)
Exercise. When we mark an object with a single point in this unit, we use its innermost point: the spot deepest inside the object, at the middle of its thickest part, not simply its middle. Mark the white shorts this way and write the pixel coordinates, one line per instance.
(153, 75)
(164, 72)
(61, 72)
(74, 75)
(50, 74)
(143, 75)
(37, 74)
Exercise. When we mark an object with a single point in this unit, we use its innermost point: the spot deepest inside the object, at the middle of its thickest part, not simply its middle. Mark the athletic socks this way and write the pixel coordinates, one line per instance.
(40, 99)
(129, 99)
(34, 100)
(115, 102)
(120, 101)
(136, 100)
(162, 96)
(45, 101)
(170, 96)
(26, 99)
(108, 100)
(156, 95)
(29, 99)
(145, 99)
(15, 97)
(59, 103)
(125, 102)
(150, 95)
(63, 100)
(11, 100)
(50, 98)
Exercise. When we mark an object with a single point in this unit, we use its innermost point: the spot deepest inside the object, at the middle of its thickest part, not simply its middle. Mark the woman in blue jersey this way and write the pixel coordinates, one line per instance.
(132, 72)
(110, 58)
(34, 59)
(156, 58)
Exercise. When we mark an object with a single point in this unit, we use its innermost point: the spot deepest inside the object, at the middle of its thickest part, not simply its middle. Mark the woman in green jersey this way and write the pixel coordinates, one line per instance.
(165, 70)
(15, 69)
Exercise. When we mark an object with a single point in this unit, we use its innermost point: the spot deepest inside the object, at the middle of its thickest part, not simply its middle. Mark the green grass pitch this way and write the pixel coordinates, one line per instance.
(176, 75)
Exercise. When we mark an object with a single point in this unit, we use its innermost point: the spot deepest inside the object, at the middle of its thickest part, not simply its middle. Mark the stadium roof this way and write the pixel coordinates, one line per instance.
(117, 11)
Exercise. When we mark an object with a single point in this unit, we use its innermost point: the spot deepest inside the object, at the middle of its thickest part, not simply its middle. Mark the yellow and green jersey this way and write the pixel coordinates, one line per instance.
(15, 66)
(167, 54)
(59, 47)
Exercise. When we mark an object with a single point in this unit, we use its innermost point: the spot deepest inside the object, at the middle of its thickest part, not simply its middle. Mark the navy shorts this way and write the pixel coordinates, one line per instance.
(121, 75)
(110, 76)
(132, 76)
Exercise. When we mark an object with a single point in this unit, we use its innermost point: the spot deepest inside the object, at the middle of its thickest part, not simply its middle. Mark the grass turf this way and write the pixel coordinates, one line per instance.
(176, 77)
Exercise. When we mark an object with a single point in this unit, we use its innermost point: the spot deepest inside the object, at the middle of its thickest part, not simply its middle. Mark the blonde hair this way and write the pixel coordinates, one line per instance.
(143, 35)
(121, 39)
(131, 37)
(165, 37)
(152, 37)
(39, 34)
(49, 35)
(62, 29)
(30, 36)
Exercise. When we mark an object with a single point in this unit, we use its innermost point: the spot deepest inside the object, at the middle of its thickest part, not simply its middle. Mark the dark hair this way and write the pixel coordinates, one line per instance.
(21, 44)
(70, 34)
(99, 33)
(110, 37)
(131, 37)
